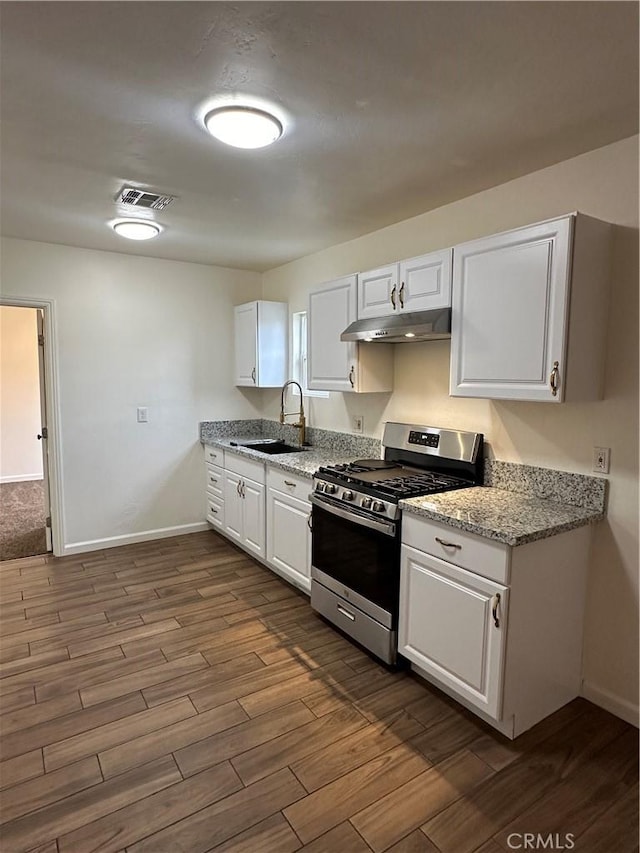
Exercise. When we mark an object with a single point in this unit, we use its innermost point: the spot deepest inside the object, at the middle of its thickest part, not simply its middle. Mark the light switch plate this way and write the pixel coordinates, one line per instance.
(601, 459)
(357, 423)
(143, 414)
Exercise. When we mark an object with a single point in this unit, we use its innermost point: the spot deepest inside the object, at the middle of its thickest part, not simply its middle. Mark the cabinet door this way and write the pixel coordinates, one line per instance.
(332, 362)
(378, 292)
(253, 517)
(232, 506)
(289, 537)
(447, 628)
(425, 282)
(509, 314)
(246, 344)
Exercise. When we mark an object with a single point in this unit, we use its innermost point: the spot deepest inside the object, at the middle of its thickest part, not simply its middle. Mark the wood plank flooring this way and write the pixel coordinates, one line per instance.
(178, 696)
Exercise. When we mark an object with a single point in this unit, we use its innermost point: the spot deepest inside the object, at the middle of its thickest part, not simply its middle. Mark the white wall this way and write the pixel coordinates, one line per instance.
(134, 332)
(20, 450)
(604, 184)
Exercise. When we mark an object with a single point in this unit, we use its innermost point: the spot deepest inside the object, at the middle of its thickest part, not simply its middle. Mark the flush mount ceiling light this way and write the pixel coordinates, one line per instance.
(243, 127)
(136, 229)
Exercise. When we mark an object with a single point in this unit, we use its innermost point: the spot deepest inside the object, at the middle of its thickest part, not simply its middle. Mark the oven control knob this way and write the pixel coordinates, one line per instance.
(320, 487)
(378, 506)
(330, 489)
(366, 503)
(347, 495)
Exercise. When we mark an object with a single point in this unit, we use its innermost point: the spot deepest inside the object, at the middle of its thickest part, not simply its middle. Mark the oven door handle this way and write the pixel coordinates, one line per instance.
(386, 527)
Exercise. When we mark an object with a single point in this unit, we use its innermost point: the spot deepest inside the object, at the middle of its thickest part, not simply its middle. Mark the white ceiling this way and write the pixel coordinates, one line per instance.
(392, 109)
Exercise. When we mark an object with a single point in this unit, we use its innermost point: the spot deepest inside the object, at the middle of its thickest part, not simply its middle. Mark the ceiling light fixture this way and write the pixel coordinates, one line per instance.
(136, 229)
(243, 127)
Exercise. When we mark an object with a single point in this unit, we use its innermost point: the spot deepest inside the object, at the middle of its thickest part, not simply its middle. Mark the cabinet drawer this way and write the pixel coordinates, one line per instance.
(482, 556)
(213, 455)
(290, 484)
(215, 480)
(215, 511)
(243, 467)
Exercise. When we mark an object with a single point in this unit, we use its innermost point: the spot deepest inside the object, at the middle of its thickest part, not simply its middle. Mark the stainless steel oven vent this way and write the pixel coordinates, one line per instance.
(133, 197)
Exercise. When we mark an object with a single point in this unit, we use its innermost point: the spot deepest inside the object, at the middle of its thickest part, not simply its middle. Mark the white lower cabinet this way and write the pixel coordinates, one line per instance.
(266, 512)
(244, 511)
(288, 531)
(453, 625)
(497, 628)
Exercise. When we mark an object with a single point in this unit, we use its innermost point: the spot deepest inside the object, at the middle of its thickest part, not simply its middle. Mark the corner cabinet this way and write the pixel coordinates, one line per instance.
(495, 627)
(416, 284)
(335, 365)
(529, 312)
(260, 344)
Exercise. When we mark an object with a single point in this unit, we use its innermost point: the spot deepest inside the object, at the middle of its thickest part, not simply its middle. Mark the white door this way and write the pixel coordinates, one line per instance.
(43, 435)
(509, 314)
(289, 537)
(425, 282)
(253, 512)
(378, 292)
(246, 344)
(332, 363)
(232, 506)
(452, 625)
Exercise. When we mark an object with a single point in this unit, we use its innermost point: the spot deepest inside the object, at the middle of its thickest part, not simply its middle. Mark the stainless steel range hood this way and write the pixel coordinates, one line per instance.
(414, 326)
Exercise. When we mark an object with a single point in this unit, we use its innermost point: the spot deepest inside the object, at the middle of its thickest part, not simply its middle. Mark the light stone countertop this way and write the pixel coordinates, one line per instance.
(305, 463)
(504, 516)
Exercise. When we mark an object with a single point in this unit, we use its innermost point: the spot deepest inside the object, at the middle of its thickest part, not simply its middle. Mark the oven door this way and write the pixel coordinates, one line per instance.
(357, 557)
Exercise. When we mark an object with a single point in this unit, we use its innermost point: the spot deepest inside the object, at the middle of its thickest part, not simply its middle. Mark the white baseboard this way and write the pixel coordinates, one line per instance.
(20, 478)
(611, 702)
(133, 538)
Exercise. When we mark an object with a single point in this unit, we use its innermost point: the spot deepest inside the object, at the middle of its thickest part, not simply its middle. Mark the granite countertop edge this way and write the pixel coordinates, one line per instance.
(497, 514)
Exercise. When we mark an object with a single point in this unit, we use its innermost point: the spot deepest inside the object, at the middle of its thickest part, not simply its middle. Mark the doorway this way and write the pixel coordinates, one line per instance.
(25, 501)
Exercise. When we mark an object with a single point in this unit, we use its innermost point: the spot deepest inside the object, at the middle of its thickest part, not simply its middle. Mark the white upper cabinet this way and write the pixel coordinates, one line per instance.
(529, 312)
(261, 344)
(416, 284)
(335, 365)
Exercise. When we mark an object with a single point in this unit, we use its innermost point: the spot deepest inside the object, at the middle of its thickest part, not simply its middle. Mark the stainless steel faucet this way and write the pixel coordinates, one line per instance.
(301, 421)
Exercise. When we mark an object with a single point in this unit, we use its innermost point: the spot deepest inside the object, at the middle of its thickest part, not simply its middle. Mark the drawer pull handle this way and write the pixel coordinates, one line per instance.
(346, 613)
(446, 544)
(212, 480)
(290, 483)
(309, 522)
(238, 489)
(494, 609)
(214, 511)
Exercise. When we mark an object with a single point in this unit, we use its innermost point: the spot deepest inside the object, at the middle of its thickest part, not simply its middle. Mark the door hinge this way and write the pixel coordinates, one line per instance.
(41, 340)
(47, 521)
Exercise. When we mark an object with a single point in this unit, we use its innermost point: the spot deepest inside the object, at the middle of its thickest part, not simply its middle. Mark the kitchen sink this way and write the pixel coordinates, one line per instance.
(270, 447)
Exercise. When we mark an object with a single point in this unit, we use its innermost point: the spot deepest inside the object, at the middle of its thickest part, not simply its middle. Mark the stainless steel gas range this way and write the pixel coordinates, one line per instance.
(355, 555)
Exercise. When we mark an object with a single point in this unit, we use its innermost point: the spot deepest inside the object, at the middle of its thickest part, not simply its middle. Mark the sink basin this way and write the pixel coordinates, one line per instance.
(270, 447)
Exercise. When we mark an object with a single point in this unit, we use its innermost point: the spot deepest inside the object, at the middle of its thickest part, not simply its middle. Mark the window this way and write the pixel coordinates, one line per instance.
(299, 354)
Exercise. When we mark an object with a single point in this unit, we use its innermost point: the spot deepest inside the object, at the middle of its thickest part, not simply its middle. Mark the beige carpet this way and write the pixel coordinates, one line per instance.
(22, 530)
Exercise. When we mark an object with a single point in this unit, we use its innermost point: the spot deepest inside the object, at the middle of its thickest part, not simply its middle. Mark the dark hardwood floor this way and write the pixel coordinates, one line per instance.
(177, 696)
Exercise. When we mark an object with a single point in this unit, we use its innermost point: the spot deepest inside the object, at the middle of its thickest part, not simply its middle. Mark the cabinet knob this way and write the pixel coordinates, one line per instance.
(554, 379)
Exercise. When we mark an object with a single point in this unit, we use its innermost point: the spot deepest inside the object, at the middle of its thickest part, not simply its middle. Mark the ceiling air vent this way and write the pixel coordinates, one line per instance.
(143, 198)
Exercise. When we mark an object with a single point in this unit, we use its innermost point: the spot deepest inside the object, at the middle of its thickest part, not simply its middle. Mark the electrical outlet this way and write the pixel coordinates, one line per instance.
(143, 414)
(601, 457)
(357, 423)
